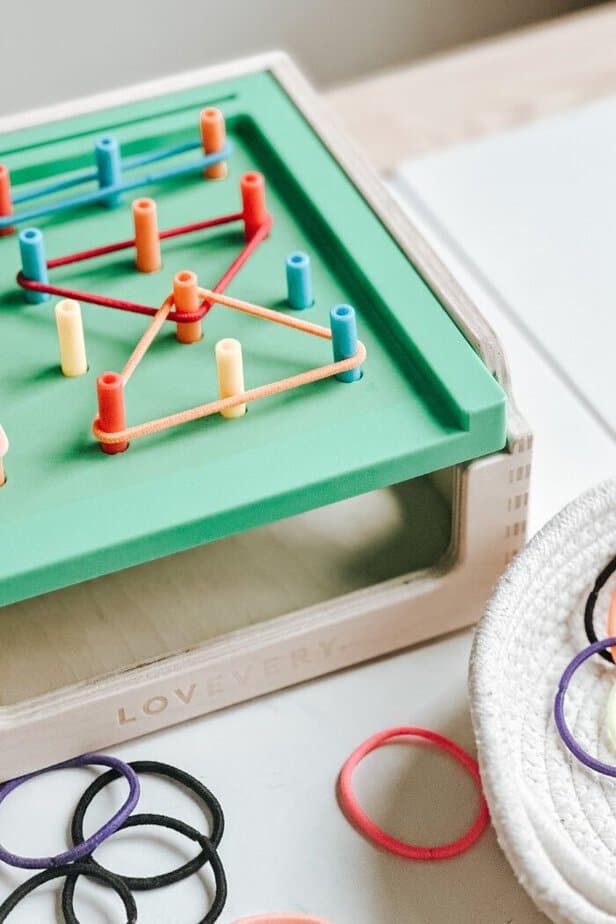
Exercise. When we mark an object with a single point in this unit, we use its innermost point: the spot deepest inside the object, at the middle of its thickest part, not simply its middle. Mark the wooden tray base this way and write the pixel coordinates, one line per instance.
(85, 688)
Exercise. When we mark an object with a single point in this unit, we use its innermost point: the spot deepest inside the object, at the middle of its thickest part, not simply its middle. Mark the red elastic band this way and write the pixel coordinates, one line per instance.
(134, 307)
(364, 824)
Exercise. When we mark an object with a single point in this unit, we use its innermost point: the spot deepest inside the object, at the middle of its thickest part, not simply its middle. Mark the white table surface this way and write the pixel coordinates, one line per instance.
(533, 210)
(273, 762)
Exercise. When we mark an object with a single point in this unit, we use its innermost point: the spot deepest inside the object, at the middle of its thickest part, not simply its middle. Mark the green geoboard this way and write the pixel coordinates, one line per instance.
(68, 512)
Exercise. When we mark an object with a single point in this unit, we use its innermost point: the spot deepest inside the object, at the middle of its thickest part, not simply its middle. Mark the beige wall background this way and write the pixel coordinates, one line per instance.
(57, 49)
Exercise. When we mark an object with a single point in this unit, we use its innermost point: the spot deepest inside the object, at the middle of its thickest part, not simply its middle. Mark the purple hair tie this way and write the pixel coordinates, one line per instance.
(559, 708)
(89, 845)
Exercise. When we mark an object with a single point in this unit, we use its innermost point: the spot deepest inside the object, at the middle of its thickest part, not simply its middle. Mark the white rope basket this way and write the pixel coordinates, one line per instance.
(555, 819)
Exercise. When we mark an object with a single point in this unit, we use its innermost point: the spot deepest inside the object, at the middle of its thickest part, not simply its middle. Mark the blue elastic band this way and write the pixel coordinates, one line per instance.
(98, 195)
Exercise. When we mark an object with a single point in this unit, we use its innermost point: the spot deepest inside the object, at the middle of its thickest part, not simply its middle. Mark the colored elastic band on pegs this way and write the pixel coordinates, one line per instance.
(366, 826)
(33, 277)
(207, 850)
(109, 172)
(111, 436)
(86, 846)
(559, 708)
(150, 767)
(589, 609)
(72, 870)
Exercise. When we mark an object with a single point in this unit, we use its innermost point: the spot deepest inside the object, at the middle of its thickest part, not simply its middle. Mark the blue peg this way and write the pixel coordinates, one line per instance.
(344, 339)
(109, 166)
(33, 263)
(299, 280)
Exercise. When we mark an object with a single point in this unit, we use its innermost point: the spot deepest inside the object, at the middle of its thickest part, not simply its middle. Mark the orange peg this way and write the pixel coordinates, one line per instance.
(214, 138)
(6, 201)
(147, 240)
(111, 408)
(252, 187)
(186, 298)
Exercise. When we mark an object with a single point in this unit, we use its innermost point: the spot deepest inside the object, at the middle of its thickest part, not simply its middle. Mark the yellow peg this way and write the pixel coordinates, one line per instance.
(230, 370)
(70, 335)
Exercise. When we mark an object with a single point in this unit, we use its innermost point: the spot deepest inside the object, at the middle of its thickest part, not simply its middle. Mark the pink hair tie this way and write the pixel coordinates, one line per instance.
(282, 919)
(364, 824)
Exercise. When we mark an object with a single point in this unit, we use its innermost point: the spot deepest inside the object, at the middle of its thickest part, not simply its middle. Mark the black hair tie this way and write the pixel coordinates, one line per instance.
(591, 602)
(154, 882)
(138, 884)
(72, 870)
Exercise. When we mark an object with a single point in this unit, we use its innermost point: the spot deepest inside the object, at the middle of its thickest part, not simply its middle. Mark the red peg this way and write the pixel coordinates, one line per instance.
(111, 408)
(6, 201)
(252, 186)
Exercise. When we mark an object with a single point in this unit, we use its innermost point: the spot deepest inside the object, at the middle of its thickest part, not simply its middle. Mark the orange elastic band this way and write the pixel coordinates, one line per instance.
(215, 407)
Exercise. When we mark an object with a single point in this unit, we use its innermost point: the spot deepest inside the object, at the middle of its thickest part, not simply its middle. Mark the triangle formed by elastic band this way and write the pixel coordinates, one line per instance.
(221, 404)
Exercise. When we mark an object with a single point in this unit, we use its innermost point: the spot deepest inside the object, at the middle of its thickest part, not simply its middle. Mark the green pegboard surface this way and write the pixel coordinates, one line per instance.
(68, 512)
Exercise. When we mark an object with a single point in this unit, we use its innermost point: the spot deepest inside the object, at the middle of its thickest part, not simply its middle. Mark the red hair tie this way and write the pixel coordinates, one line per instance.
(364, 824)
